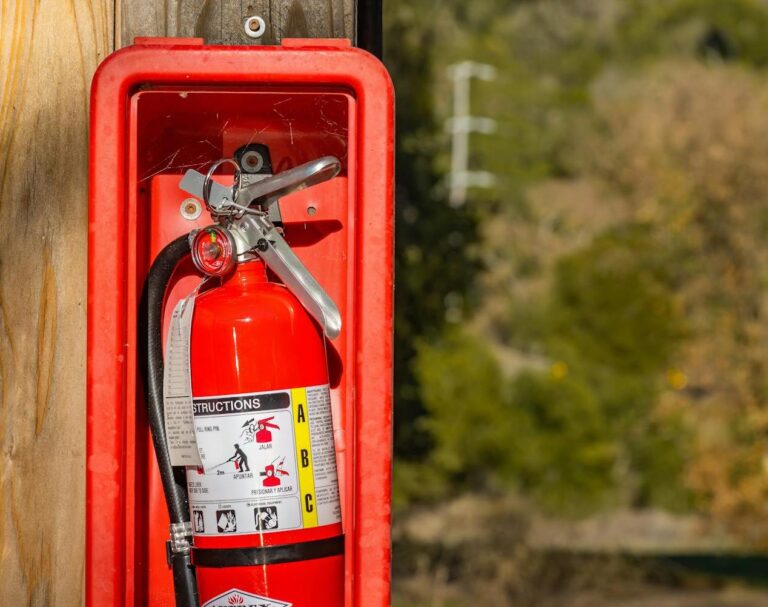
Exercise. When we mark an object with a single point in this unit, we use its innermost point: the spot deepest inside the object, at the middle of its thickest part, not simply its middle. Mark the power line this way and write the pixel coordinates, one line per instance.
(461, 124)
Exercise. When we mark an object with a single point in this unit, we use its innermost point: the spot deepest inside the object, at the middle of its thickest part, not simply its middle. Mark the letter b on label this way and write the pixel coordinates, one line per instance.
(304, 458)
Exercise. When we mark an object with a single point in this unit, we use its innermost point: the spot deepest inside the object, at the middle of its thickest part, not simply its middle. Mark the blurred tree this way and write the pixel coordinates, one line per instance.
(465, 395)
(613, 304)
(712, 29)
(623, 252)
(616, 320)
(564, 447)
(543, 433)
(433, 266)
(694, 170)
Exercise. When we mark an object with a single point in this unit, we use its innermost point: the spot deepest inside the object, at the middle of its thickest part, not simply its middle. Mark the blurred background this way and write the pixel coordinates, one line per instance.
(582, 302)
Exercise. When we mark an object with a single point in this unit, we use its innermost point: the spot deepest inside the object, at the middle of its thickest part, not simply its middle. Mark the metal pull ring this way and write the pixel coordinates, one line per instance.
(208, 181)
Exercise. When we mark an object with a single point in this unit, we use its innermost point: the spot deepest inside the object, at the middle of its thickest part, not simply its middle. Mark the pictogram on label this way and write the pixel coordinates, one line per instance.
(268, 462)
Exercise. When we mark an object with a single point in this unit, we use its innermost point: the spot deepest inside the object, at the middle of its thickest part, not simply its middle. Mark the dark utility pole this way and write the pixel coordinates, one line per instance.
(369, 26)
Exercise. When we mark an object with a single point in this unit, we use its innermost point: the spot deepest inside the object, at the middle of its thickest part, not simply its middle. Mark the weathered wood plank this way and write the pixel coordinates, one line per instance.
(48, 53)
(221, 21)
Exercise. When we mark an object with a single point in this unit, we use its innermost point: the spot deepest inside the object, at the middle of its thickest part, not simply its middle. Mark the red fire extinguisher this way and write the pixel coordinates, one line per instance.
(241, 414)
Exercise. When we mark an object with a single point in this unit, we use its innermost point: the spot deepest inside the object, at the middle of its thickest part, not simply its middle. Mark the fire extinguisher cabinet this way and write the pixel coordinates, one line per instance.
(159, 108)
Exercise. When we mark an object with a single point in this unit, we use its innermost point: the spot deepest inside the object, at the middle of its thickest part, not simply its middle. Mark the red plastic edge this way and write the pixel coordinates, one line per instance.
(113, 82)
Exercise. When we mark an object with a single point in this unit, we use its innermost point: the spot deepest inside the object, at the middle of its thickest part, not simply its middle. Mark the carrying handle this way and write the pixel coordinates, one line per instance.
(254, 232)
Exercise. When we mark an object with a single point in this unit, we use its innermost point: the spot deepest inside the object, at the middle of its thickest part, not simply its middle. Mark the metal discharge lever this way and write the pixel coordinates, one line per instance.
(298, 178)
(244, 211)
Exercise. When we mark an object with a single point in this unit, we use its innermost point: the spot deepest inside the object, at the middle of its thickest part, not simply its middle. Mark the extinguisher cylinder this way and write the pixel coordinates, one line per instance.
(265, 509)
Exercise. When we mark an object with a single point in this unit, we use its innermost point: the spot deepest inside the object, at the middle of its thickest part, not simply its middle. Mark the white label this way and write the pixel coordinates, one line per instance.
(268, 462)
(238, 598)
(177, 387)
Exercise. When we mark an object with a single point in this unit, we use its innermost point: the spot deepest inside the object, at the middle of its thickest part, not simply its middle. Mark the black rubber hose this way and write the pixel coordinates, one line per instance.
(151, 355)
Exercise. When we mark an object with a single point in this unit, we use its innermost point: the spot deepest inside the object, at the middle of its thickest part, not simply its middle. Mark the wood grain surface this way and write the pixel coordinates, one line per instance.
(48, 53)
(221, 21)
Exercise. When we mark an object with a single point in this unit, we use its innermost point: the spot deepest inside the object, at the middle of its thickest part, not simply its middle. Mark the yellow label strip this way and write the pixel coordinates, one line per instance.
(304, 457)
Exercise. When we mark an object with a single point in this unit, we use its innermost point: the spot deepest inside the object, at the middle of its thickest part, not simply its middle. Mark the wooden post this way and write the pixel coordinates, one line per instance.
(222, 21)
(48, 53)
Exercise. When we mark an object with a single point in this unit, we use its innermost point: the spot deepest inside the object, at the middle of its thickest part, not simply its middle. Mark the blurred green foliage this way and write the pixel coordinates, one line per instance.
(612, 306)
(431, 247)
(732, 29)
(569, 434)
(589, 332)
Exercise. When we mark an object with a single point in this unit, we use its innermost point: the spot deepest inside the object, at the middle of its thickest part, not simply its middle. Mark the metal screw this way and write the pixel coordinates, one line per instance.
(252, 162)
(311, 210)
(262, 244)
(191, 209)
(255, 27)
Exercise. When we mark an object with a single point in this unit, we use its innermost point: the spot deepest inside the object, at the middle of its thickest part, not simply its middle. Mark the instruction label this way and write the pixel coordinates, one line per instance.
(268, 462)
(177, 387)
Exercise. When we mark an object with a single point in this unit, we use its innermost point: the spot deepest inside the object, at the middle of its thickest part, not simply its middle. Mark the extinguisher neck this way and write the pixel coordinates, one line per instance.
(247, 273)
